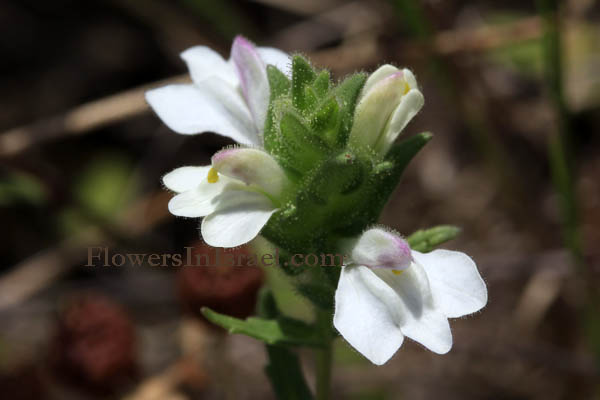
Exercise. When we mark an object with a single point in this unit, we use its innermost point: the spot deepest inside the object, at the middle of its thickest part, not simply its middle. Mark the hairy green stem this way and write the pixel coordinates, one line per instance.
(324, 356)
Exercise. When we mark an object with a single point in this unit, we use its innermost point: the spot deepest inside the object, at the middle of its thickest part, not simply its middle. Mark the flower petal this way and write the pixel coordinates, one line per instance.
(251, 166)
(200, 200)
(185, 178)
(378, 248)
(211, 106)
(238, 218)
(410, 78)
(366, 314)
(421, 321)
(203, 62)
(277, 58)
(410, 104)
(456, 285)
(375, 108)
(378, 75)
(432, 330)
(252, 73)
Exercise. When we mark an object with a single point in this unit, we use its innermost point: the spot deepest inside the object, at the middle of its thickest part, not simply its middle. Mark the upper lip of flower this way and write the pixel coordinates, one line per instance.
(227, 97)
(375, 307)
(389, 100)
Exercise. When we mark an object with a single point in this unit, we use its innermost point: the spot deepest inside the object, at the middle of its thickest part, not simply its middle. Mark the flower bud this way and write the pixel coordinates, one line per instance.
(389, 100)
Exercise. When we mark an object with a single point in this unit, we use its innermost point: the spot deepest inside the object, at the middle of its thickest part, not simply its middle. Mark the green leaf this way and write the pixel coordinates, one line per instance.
(339, 175)
(402, 153)
(279, 84)
(398, 157)
(425, 240)
(310, 99)
(386, 174)
(281, 331)
(321, 84)
(347, 94)
(326, 120)
(285, 373)
(302, 76)
(301, 148)
(329, 198)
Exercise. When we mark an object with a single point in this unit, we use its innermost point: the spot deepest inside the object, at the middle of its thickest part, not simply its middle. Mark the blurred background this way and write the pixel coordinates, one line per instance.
(512, 93)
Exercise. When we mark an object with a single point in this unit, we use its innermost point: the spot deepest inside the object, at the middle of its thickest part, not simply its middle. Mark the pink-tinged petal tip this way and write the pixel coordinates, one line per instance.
(240, 40)
(252, 74)
(378, 248)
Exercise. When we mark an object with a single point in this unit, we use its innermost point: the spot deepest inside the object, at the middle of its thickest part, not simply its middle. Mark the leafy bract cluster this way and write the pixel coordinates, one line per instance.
(337, 189)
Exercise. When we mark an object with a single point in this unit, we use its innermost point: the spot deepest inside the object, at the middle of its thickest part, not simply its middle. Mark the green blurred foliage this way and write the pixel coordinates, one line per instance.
(106, 185)
(223, 16)
(102, 190)
(71, 221)
(20, 187)
(524, 57)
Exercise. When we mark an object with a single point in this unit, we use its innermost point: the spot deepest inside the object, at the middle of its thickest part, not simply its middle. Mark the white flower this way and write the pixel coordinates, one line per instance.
(236, 195)
(226, 97)
(387, 103)
(388, 291)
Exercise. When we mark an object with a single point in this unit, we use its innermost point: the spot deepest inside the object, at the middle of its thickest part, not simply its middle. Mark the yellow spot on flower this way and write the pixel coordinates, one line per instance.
(396, 272)
(406, 87)
(213, 176)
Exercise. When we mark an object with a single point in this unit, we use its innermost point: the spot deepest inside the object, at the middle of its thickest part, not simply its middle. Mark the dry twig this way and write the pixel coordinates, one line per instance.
(81, 119)
(130, 103)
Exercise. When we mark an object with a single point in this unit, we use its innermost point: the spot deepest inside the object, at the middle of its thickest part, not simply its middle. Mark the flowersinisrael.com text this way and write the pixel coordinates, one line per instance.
(103, 257)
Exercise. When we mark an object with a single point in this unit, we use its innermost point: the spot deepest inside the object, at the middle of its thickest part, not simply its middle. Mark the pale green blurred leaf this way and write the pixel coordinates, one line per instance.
(524, 56)
(106, 185)
(425, 240)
